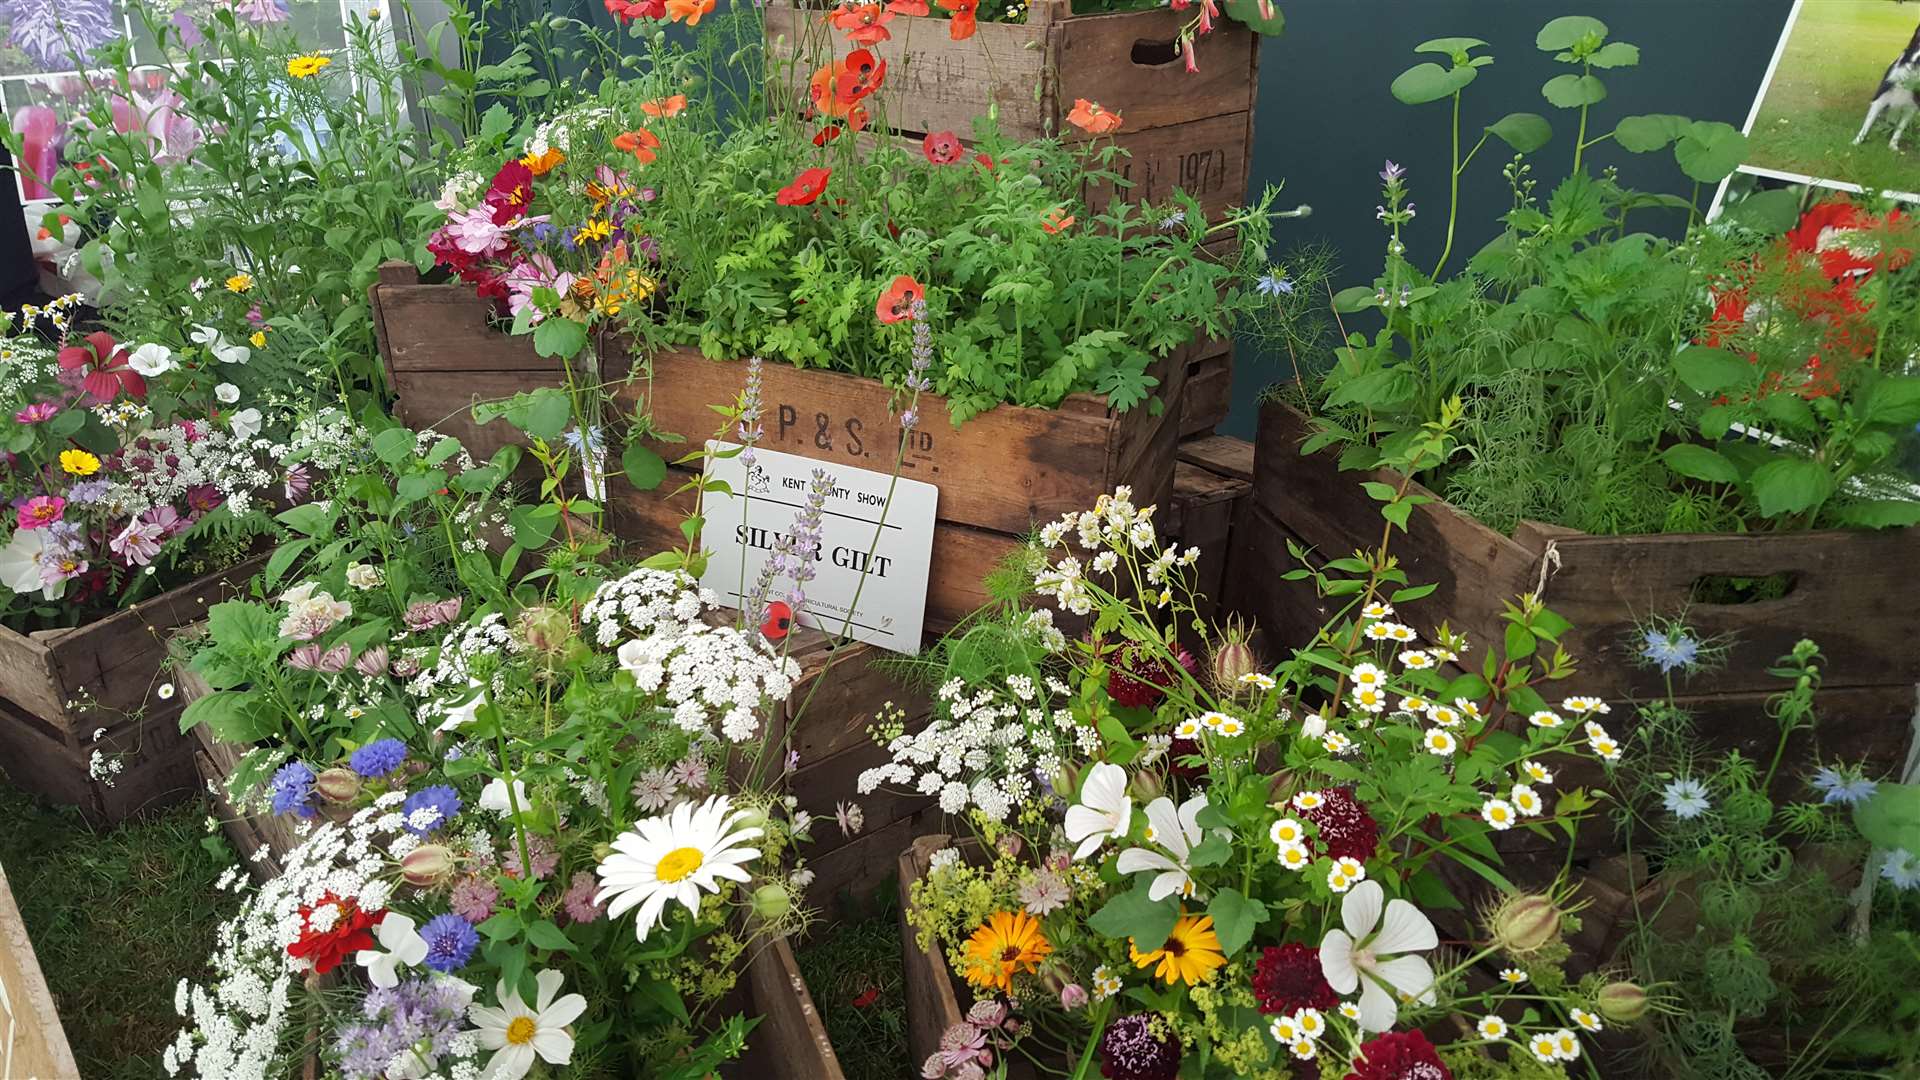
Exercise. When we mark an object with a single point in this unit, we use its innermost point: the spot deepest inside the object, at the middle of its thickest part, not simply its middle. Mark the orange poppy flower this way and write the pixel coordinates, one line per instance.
(1089, 117)
(908, 7)
(864, 24)
(641, 143)
(1057, 220)
(961, 27)
(856, 120)
(897, 302)
(805, 188)
(690, 10)
(666, 106)
(542, 164)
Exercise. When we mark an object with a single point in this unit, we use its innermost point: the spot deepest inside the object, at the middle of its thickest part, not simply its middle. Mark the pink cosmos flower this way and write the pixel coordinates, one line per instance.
(138, 543)
(538, 272)
(41, 511)
(37, 412)
(474, 232)
(172, 135)
(166, 519)
(56, 568)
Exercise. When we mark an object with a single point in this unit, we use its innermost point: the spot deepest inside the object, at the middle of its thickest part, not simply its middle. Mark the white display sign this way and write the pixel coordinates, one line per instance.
(741, 529)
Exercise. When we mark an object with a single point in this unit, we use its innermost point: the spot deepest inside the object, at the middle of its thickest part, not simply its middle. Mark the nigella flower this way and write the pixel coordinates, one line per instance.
(1392, 172)
(1902, 868)
(450, 942)
(1274, 283)
(291, 790)
(430, 808)
(594, 442)
(378, 758)
(1670, 650)
(1844, 788)
(1173, 221)
(1686, 799)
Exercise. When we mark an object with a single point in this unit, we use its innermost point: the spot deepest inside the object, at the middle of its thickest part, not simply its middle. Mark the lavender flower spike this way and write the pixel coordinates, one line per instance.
(750, 411)
(792, 556)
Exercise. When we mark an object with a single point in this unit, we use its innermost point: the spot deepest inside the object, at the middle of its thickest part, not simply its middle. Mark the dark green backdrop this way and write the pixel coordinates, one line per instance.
(1325, 120)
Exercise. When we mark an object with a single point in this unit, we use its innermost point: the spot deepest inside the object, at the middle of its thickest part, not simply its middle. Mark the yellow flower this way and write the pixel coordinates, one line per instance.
(595, 229)
(259, 339)
(1008, 943)
(306, 67)
(79, 463)
(1191, 953)
(240, 283)
(542, 164)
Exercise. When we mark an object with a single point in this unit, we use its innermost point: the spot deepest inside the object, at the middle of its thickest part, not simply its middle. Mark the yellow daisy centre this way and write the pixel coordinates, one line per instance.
(677, 864)
(521, 1030)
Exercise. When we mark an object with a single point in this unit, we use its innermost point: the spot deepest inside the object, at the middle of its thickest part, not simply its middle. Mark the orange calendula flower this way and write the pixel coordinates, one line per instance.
(1089, 117)
(897, 302)
(1057, 220)
(690, 10)
(666, 106)
(544, 163)
(641, 143)
(864, 24)
(1009, 943)
(962, 26)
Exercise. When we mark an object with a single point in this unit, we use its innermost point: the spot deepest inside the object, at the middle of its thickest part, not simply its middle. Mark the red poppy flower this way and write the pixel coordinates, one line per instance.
(897, 302)
(629, 10)
(666, 106)
(640, 142)
(349, 931)
(942, 147)
(1057, 221)
(805, 188)
(1089, 117)
(962, 25)
(985, 161)
(860, 74)
(855, 120)
(867, 997)
(908, 7)
(864, 24)
(779, 621)
(108, 372)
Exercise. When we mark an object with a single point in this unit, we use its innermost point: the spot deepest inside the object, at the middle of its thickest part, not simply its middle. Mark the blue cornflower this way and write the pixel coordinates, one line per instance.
(378, 758)
(450, 942)
(440, 800)
(1902, 868)
(1274, 283)
(1686, 799)
(1841, 788)
(1669, 651)
(543, 231)
(291, 790)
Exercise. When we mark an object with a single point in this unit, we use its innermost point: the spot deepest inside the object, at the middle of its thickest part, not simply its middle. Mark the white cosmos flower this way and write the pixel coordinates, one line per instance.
(1104, 810)
(1371, 954)
(1176, 831)
(20, 563)
(151, 359)
(516, 1033)
(404, 948)
(674, 857)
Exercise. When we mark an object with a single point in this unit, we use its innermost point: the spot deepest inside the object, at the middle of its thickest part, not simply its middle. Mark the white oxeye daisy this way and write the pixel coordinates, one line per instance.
(1492, 1027)
(1606, 749)
(1443, 715)
(1258, 679)
(1440, 743)
(1497, 813)
(1581, 704)
(1537, 772)
(1369, 698)
(1587, 1020)
(1415, 660)
(1545, 718)
(1566, 1045)
(1376, 610)
(1287, 831)
(1308, 800)
(1336, 743)
(675, 856)
(1543, 1046)
(1303, 1048)
(1212, 720)
(1526, 800)
(1187, 729)
(1512, 976)
(1312, 1024)
(1349, 1010)
(1368, 675)
(1229, 728)
(1283, 1029)
(1415, 705)
(1295, 856)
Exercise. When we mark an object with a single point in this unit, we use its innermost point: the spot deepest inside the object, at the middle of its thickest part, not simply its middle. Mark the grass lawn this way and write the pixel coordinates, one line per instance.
(117, 916)
(853, 972)
(1833, 63)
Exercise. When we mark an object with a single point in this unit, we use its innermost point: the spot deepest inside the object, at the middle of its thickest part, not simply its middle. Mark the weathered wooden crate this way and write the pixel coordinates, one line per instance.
(1208, 396)
(1211, 486)
(1183, 130)
(32, 1042)
(66, 694)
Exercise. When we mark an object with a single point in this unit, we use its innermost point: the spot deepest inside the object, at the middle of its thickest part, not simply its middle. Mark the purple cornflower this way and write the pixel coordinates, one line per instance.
(450, 940)
(579, 899)
(378, 758)
(291, 790)
(429, 808)
(473, 899)
(417, 1017)
(750, 429)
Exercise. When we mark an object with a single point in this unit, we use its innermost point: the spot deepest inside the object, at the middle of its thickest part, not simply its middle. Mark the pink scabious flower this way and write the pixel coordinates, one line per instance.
(540, 852)
(473, 899)
(475, 232)
(38, 412)
(138, 543)
(41, 511)
(579, 899)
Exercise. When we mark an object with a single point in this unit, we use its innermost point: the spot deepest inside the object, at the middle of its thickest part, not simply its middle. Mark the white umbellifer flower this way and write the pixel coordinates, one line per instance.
(1439, 743)
(1492, 1027)
(516, 1033)
(1105, 810)
(151, 360)
(404, 948)
(1371, 953)
(1526, 800)
(1498, 813)
(1176, 831)
(674, 857)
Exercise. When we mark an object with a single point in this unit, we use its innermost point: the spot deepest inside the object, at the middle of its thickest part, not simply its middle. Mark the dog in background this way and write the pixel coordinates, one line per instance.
(1897, 94)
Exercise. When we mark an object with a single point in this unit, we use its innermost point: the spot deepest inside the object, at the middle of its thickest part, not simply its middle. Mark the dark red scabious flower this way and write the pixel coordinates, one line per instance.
(1347, 831)
(1137, 1048)
(510, 192)
(1288, 978)
(942, 148)
(350, 931)
(1399, 1055)
(106, 364)
(1137, 679)
(805, 188)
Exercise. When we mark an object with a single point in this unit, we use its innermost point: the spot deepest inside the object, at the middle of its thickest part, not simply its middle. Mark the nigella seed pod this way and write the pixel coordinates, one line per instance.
(771, 901)
(547, 630)
(427, 865)
(1233, 658)
(1146, 786)
(337, 785)
(1623, 1002)
(1524, 923)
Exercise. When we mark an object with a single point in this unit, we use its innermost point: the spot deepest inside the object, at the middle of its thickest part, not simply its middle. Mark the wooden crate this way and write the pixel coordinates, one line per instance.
(1187, 131)
(790, 1040)
(60, 688)
(1208, 397)
(1211, 486)
(933, 1005)
(32, 1042)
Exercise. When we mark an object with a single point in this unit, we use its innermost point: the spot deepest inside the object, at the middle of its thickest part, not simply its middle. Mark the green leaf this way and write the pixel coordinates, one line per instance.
(1573, 91)
(1260, 16)
(645, 469)
(1645, 134)
(393, 445)
(310, 519)
(531, 529)
(232, 715)
(1615, 54)
(1423, 83)
(662, 993)
(1710, 151)
(545, 935)
(1566, 31)
(238, 624)
(1525, 132)
(1769, 213)
(1891, 818)
(559, 337)
(1709, 370)
(1132, 914)
(1700, 463)
(1520, 642)
(1212, 851)
(1357, 298)
(500, 925)
(542, 413)
(1449, 46)
(415, 486)
(1878, 513)
(1892, 400)
(1234, 918)
(282, 560)
(1789, 485)
(497, 122)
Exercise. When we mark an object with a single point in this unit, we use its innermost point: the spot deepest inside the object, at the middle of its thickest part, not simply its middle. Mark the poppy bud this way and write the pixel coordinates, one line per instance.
(1623, 1002)
(427, 865)
(338, 785)
(771, 901)
(1524, 923)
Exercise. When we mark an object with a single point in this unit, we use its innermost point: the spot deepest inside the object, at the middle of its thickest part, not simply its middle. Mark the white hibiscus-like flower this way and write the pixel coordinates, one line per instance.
(403, 948)
(1179, 833)
(466, 712)
(1371, 954)
(1104, 810)
(494, 796)
(151, 359)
